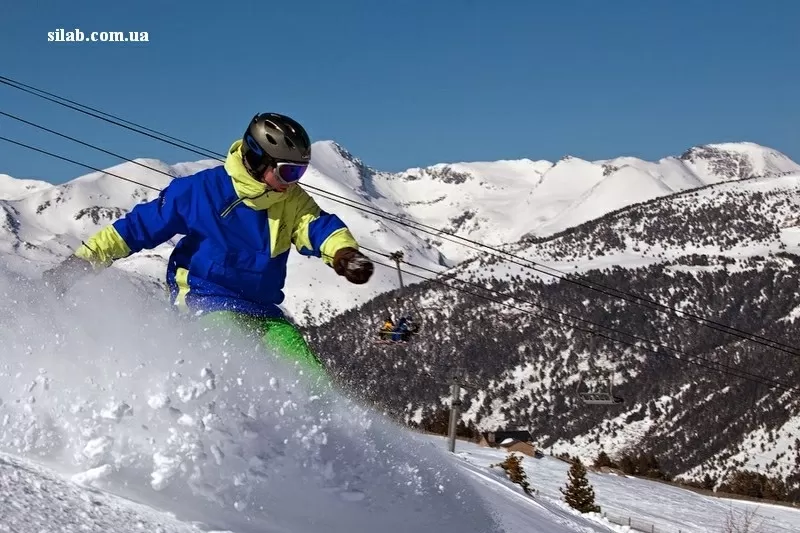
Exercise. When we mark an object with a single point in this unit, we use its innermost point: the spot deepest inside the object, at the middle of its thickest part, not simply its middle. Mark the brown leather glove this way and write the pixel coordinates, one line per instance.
(353, 265)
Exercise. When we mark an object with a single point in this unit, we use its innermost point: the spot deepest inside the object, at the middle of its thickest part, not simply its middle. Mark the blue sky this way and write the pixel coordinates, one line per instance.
(407, 83)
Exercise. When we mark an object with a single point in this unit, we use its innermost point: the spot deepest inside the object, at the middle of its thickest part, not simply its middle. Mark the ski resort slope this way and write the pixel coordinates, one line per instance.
(668, 508)
(34, 498)
(117, 417)
(173, 426)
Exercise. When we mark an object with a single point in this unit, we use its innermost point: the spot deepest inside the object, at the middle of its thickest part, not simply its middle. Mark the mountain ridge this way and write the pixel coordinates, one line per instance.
(490, 202)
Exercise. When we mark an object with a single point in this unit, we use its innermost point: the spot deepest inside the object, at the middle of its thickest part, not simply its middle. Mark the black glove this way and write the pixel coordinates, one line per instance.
(353, 265)
(60, 278)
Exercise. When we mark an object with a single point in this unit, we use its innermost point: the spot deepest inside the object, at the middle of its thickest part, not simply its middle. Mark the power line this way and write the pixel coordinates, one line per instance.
(440, 233)
(540, 306)
(74, 162)
(99, 115)
(8, 81)
(89, 145)
(764, 341)
(696, 360)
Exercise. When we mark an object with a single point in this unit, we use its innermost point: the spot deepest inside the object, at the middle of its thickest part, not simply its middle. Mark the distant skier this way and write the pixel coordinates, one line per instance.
(239, 221)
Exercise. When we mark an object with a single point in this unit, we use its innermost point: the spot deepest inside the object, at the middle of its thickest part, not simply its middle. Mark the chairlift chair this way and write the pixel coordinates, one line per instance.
(385, 337)
(597, 397)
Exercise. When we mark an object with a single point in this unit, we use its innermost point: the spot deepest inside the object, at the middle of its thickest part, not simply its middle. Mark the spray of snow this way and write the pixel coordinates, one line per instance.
(115, 390)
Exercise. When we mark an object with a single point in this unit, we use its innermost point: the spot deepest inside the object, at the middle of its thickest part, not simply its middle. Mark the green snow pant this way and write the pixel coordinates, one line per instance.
(277, 335)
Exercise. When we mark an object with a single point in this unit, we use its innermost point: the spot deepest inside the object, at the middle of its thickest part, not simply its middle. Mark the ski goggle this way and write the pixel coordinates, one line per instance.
(290, 172)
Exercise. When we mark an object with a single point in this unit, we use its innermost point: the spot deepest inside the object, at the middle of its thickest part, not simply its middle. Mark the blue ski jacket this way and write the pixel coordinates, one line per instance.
(236, 238)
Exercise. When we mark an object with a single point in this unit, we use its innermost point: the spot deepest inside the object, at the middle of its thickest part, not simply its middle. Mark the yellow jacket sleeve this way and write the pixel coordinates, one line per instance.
(103, 248)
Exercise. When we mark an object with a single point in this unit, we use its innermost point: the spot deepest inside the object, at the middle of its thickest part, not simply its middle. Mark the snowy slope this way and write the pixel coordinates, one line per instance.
(181, 433)
(773, 451)
(492, 202)
(107, 390)
(730, 161)
(627, 180)
(647, 503)
(740, 220)
(484, 201)
(33, 497)
(605, 196)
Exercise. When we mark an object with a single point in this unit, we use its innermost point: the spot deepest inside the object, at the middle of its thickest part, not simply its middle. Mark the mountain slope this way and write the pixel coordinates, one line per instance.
(733, 161)
(34, 498)
(642, 180)
(729, 251)
(605, 196)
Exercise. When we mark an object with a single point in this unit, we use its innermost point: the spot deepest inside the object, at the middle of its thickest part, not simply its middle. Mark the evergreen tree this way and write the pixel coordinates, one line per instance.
(627, 464)
(604, 460)
(579, 494)
(513, 467)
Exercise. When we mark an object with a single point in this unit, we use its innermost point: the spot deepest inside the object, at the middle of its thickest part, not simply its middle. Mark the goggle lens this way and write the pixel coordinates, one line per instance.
(291, 172)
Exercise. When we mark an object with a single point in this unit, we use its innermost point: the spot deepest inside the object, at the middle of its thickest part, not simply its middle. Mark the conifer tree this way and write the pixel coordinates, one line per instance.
(604, 460)
(578, 493)
(513, 467)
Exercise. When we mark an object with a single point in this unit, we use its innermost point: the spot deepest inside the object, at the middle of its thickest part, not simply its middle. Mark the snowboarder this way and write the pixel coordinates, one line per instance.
(239, 221)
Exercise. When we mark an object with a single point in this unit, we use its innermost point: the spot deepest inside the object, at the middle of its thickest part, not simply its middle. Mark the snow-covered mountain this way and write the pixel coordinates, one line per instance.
(499, 202)
(624, 181)
(490, 202)
(729, 252)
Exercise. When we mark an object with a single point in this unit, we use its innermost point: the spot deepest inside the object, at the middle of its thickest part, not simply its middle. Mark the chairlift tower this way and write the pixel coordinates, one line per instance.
(455, 403)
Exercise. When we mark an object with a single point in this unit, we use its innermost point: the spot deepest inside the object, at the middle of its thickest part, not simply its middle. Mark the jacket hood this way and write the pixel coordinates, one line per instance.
(253, 192)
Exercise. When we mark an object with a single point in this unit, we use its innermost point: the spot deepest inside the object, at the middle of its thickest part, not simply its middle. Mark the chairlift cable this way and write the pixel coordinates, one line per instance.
(682, 356)
(533, 265)
(743, 374)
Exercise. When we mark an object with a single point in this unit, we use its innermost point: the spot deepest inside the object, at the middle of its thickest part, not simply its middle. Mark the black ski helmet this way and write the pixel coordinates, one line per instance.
(272, 137)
